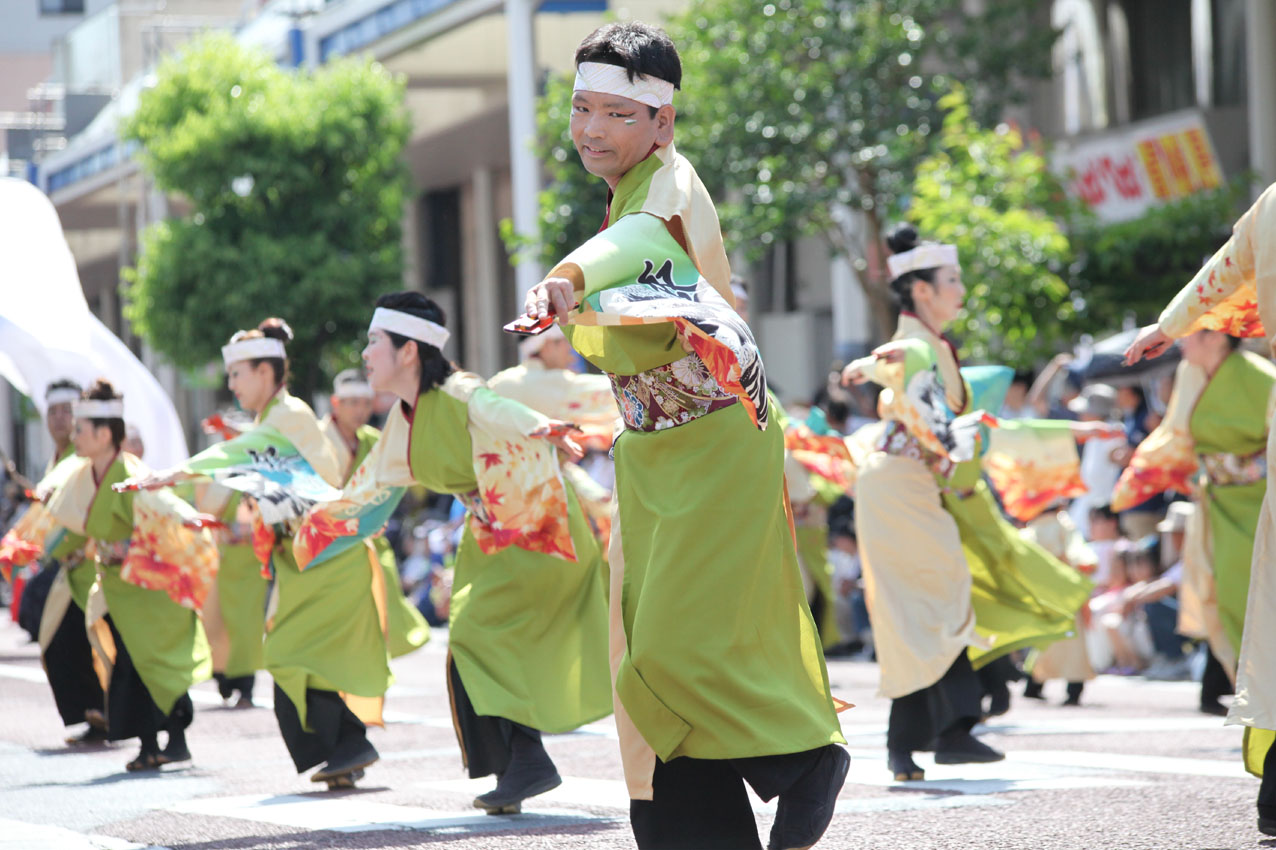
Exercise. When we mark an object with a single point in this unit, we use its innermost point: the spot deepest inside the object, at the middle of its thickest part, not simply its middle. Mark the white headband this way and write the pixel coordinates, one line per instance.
(256, 348)
(62, 395)
(413, 327)
(612, 79)
(353, 389)
(928, 256)
(97, 408)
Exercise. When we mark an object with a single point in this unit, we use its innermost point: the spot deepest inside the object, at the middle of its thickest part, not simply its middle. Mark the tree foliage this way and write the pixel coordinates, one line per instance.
(998, 202)
(1135, 267)
(809, 116)
(294, 184)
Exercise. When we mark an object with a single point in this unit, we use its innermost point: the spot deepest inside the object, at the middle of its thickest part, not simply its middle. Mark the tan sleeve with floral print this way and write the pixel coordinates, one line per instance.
(1224, 295)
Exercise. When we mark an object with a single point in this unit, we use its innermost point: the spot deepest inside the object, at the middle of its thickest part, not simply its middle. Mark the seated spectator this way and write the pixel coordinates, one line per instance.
(1104, 534)
(1153, 597)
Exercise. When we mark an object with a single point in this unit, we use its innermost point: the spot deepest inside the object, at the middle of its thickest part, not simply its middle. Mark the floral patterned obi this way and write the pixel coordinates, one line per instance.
(1224, 469)
(896, 440)
(668, 396)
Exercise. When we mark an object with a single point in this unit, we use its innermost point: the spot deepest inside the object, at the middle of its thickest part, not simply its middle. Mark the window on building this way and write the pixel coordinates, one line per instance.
(1079, 66)
(61, 7)
(1229, 57)
(1159, 49)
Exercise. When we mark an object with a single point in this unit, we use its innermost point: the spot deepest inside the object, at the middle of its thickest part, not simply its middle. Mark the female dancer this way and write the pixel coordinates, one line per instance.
(527, 625)
(153, 573)
(325, 645)
(968, 585)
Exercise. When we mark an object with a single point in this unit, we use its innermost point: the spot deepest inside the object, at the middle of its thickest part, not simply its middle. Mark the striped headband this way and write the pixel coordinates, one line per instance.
(928, 256)
(612, 79)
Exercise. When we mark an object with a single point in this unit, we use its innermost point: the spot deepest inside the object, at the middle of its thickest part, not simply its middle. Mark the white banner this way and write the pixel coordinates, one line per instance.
(1120, 175)
(47, 331)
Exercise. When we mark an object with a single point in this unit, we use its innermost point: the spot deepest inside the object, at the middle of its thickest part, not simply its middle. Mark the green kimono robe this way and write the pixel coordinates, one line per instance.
(165, 640)
(406, 629)
(714, 650)
(1229, 431)
(527, 630)
(241, 600)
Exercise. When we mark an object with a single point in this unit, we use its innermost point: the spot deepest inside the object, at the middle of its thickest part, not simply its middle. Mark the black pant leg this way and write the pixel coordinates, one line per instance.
(771, 776)
(130, 710)
(337, 731)
(951, 704)
(485, 741)
(1267, 790)
(68, 662)
(698, 804)
(1214, 680)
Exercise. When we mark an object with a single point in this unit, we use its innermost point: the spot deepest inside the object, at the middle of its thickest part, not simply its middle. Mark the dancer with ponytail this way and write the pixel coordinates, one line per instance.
(325, 642)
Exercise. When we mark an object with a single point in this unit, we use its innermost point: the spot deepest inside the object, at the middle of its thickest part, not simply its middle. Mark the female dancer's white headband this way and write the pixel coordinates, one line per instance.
(257, 348)
(612, 79)
(413, 327)
(928, 256)
(98, 408)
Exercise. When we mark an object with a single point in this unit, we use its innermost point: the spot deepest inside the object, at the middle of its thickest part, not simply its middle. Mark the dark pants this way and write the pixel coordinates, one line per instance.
(131, 712)
(702, 804)
(485, 741)
(1163, 620)
(951, 704)
(995, 678)
(227, 685)
(1267, 790)
(69, 664)
(337, 733)
(1214, 680)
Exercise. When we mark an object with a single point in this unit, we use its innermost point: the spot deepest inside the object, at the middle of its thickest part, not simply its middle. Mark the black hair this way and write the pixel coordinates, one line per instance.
(1023, 376)
(837, 410)
(435, 368)
(102, 390)
(904, 238)
(273, 328)
(62, 384)
(641, 49)
(1103, 512)
(1233, 342)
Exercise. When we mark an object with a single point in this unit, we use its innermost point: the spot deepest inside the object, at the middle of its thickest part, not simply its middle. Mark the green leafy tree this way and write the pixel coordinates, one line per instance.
(1136, 267)
(998, 202)
(292, 185)
(809, 116)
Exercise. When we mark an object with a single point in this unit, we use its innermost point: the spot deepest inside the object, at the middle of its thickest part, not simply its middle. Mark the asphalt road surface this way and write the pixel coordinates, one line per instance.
(1136, 766)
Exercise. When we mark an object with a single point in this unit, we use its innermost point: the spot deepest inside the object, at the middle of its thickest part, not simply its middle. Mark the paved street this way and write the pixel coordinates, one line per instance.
(1136, 767)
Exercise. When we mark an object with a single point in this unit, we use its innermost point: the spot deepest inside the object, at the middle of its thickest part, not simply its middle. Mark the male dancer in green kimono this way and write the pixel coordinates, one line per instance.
(719, 674)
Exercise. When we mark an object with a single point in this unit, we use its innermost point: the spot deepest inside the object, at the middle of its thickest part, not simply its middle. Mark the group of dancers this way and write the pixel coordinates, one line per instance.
(682, 605)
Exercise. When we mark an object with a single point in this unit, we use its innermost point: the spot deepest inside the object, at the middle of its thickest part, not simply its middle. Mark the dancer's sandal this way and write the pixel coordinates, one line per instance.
(144, 761)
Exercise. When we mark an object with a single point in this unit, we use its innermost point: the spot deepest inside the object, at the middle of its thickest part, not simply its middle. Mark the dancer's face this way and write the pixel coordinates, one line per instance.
(390, 369)
(251, 385)
(91, 440)
(60, 421)
(612, 134)
(945, 298)
(351, 413)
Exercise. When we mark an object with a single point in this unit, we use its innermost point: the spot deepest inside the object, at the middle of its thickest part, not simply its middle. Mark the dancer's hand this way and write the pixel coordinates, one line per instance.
(149, 481)
(1083, 431)
(552, 296)
(562, 435)
(1151, 342)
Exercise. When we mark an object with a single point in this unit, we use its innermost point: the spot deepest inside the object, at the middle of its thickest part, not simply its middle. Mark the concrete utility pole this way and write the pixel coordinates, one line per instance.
(524, 174)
